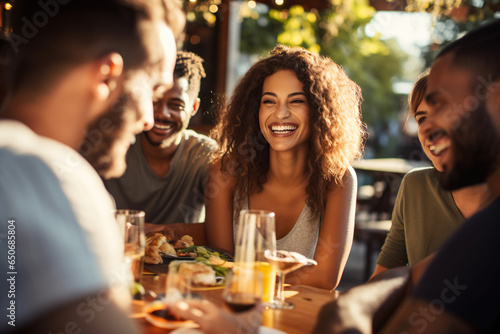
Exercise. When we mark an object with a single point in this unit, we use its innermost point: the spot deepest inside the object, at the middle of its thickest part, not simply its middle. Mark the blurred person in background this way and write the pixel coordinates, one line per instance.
(75, 85)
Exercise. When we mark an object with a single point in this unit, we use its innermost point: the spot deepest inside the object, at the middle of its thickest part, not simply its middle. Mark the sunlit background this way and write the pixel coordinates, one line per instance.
(382, 45)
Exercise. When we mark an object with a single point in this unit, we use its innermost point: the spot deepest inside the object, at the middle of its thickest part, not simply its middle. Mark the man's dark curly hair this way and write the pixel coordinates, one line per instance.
(190, 66)
(335, 124)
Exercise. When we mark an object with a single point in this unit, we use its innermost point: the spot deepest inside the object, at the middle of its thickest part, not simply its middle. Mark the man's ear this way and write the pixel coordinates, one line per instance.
(110, 69)
(196, 106)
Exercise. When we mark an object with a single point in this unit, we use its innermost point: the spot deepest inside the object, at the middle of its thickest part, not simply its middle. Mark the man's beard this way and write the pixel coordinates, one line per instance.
(164, 143)
(476, 151)
(103, 132)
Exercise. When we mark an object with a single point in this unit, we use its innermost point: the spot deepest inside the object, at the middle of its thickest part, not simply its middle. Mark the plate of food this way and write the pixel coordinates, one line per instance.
(164, 247)
(203, 275)
(164, 243)
(212, 254)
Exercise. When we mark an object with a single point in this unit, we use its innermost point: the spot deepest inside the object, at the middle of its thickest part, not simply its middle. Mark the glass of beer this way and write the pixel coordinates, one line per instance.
(256, 234)
(131, 224)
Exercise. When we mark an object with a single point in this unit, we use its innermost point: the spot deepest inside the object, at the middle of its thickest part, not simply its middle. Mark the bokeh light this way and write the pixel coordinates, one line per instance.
(191, 16)
(213, 9)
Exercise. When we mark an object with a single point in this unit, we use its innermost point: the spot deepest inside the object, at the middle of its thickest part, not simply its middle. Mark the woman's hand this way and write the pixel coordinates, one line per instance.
(215, 320)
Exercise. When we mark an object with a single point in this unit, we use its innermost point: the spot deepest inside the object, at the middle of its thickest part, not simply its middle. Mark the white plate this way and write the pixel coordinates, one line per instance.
(186, 331)
(262, 330)
(268, 330)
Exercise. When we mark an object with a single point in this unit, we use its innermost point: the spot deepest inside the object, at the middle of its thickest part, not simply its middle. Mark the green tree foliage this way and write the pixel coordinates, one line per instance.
(451, 24)
(339, 33)
(371, 62)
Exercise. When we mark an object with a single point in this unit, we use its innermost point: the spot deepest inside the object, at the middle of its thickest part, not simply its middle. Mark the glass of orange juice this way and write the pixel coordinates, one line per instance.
(256, 234)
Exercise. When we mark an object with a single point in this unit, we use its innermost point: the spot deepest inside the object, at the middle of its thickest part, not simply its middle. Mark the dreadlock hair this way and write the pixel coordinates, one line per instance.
(190, 66)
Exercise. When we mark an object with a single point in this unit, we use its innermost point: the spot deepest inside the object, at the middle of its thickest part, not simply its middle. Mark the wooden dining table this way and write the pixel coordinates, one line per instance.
(301, 319)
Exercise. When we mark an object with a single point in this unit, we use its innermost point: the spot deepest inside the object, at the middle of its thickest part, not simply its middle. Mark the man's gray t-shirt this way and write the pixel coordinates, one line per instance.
(175, 197)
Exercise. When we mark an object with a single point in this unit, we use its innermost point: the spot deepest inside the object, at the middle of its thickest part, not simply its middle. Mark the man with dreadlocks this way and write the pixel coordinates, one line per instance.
(168, 166)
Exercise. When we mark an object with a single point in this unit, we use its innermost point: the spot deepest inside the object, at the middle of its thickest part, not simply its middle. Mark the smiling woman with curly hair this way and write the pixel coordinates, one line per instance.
(287, 139)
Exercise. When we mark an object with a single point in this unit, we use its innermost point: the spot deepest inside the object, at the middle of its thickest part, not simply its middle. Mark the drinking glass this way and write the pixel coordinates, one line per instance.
(284, 262)
(242, 288)
(177, 287)
(178, 283)
(256, 234)
(131, 224)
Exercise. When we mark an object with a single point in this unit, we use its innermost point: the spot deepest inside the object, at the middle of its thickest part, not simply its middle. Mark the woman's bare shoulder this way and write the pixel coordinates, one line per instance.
(349, 181)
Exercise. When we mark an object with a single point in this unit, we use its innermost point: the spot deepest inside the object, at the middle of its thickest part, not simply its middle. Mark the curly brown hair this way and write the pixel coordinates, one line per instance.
(335, 123)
